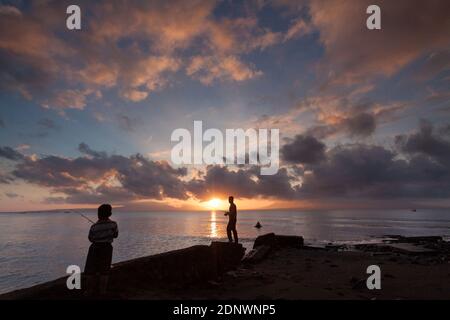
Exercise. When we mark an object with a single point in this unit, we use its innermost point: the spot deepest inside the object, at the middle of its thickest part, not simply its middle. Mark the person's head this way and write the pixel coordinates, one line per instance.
(104, 211)
(230, 199)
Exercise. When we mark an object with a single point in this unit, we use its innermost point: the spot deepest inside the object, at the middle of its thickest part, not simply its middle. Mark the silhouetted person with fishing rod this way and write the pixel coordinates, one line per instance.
(232, 218)
(98, 262)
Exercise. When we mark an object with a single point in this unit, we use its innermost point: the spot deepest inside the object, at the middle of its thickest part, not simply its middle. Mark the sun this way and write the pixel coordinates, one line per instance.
(214, 203)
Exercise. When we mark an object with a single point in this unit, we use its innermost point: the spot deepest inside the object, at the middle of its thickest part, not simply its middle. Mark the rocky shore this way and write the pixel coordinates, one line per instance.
(278, 267)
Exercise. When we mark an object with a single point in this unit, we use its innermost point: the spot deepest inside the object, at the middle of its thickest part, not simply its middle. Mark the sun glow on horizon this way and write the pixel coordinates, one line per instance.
(214, 204)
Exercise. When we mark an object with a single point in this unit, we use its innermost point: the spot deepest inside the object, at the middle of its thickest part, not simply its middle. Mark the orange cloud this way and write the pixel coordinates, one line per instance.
(410, 29)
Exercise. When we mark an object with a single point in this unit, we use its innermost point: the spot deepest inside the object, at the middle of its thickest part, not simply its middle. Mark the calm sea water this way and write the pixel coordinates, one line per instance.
(37, 247)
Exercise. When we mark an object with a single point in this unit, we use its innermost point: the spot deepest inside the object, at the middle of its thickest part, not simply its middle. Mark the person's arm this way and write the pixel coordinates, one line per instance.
(116, 231)
(90, 236)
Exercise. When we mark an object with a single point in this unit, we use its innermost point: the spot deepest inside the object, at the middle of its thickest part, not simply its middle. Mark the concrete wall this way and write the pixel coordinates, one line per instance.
(180, 267)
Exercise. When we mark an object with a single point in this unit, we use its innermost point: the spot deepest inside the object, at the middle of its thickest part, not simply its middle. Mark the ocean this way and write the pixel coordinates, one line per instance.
(37, 247)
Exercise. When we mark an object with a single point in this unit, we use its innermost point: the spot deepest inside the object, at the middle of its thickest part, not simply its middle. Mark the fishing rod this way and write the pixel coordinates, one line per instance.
(86, 217)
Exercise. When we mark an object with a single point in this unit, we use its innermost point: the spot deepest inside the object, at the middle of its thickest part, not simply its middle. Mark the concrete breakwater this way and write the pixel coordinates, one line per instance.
(194, 264)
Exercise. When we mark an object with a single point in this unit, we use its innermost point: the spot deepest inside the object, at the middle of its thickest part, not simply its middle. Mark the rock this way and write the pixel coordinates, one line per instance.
(257, 254)
(266, 239)
(278, 241)
(432, 239)
(226, 255)
(289, 241)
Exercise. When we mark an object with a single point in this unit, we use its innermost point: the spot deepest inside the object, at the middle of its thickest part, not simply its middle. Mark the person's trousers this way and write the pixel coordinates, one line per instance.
(231, 228)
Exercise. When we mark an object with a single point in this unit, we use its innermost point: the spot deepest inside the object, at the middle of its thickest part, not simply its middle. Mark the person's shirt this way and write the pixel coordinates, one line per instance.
(103, 231)
(232, 212)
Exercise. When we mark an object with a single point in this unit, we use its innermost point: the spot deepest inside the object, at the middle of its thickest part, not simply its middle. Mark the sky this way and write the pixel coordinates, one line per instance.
(86, 115)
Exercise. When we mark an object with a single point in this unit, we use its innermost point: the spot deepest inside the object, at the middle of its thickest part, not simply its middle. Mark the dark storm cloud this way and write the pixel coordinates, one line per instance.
(445, 131)
(10, 154)
(243, 183)
(102, 194)
(418, 169)
(427, 142)
(375, 172)
(303, 149)
(219, 180)
(116, 177)
(362, 125)
(277, 185)
(351, 171)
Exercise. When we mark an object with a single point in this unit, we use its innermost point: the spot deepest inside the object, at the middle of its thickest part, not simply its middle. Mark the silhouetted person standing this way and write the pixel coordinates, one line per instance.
(232, 218)
(98, 262)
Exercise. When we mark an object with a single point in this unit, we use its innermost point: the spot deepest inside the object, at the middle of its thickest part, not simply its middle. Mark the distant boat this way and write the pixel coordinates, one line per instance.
(258, 225)
(414, 210)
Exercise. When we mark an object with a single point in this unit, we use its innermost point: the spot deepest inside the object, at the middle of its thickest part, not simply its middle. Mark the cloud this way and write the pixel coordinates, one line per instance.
(329, 115)
(297, 29)
(30, 53)
(243, 183)
(362, 124)
(23, 147)
(208, 69)
(135, 95)
(132, 46)
(97, 177)
(138, 47)
(9, 10)
(354, 53)
(373, 172)
(418, 169)
(86, 150)
(148, 74)
(303, 149)
(5, 179)
(10, 154)
(68, 99)
(426, 142)
(11, 195)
